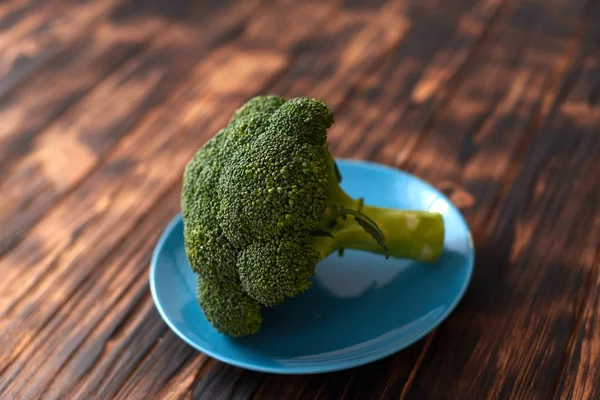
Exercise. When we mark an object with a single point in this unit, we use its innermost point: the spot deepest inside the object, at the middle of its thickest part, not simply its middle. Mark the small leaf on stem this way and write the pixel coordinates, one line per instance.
(367, 224)
(320, 232)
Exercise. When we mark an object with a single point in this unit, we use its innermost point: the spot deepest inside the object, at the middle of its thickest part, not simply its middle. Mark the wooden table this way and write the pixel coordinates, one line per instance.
(102, 103)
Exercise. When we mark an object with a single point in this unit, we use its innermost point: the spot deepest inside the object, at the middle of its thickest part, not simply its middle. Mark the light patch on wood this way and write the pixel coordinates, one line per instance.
(117, 98)
(30, 106)
(12, 118)
(581, 112)
(462, 199)
(457, 194)
(519, 84)
(226, 73)
(26, 335)
(23, 25)
(102, 204)
(63, 158)
(467, 108)
(523, 233)
(431, 80)
(488, 164)
(470, 27)
(539, 188)
(385, 29)
(242, 66)
(141, 169)
(184, 380)
(127, 199)
(503, 359)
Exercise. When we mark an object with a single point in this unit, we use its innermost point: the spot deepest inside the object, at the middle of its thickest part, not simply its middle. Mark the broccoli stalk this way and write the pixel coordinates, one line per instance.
(416, 235)
(348, 223)
(262, 205)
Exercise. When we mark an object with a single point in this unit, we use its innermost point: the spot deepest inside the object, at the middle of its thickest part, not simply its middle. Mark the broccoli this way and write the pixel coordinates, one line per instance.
(262, 205)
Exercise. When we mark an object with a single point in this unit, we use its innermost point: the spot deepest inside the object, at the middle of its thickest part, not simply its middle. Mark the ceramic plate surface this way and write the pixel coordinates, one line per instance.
(360, 308)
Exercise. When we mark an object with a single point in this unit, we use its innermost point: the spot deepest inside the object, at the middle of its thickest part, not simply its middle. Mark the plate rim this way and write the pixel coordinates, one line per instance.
(319, 368)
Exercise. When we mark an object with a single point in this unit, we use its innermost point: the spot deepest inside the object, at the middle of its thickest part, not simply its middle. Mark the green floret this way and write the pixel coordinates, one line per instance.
(261, 194)
(228, 307)
(262, 205)
(273, 270)
(259, 104)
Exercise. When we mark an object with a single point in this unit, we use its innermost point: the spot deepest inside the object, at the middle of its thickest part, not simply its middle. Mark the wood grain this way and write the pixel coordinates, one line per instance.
(381, 379)
(43, 31)
(501, 356)
(478, 201)
(85, 221)
(424, 69)
(72, 73)
(493, 101)
(581, 364)
(86, 132)
(80, 232)
(135, 157)
(337, 78)
(580, 376)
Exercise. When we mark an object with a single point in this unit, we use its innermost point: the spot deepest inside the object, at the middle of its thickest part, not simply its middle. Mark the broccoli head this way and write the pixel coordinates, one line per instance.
(262, 205)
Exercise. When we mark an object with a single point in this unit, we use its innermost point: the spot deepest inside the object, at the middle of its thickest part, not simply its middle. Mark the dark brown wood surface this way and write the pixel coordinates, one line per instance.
(102, 103)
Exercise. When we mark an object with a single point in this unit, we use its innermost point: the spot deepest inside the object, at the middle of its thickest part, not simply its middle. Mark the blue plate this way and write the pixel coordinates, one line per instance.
(360, 308)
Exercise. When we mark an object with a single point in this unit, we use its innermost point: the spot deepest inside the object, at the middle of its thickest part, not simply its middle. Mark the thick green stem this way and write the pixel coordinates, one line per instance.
(417, 235)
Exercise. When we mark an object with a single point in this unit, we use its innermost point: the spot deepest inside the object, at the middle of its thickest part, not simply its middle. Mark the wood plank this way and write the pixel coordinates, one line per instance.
(95, 345)
(347, 48)
(581, 363)
(230, 63)
(207, 385)
(580, 377)
(507, 337)
(43, 30)
(87, 131)
(70, 74)
(119, 348)
(241, 384)
(130, 185)
(361, 39)
(98, 329)
(14, 12)
(179, 385)
(185, 112)
(330, 387)
(424, 69)
(537, 262)
(21, 17)
(553, 50)
(386, 88)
